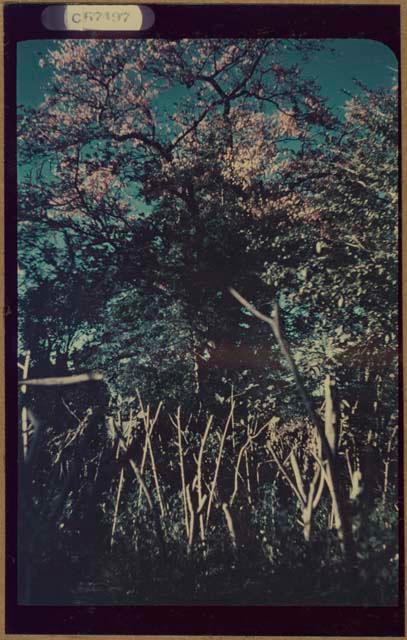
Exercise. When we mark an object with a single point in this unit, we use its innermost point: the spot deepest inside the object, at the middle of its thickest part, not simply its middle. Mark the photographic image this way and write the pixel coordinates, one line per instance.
(208, 321)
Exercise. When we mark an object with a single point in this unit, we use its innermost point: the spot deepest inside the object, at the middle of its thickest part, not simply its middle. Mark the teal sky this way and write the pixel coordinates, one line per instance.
(369, 61)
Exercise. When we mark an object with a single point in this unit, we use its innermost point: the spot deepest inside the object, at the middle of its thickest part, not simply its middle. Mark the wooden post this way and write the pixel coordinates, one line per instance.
(24, 410)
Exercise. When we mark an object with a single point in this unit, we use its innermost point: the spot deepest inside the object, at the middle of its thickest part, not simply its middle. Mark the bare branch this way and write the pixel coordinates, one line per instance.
(60, 381)
(342, 523)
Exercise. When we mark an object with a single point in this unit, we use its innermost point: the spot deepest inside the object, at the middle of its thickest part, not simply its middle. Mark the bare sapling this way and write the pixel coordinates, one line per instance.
(218, 460)
(143, 486)
(147, 437)
(191, 523)
(229, 524)
(343, 524)
(149, 426)
(177, 424)
(134, 467)
(199, 484)
(387, 460)
(251, 437)
(308, 497)
(121, 480)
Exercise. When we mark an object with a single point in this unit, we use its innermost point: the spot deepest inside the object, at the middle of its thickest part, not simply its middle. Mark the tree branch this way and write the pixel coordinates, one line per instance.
(60, 381)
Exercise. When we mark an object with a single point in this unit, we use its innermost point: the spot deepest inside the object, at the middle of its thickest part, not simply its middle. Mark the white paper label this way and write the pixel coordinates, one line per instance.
(98, 17)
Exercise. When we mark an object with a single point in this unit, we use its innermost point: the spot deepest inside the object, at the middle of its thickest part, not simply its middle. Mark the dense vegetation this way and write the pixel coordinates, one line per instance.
(212, 451)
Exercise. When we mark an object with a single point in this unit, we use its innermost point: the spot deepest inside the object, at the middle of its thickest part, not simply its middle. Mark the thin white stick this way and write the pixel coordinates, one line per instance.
(177, 424)
(199, 477)
(229, 523)
(218, 461)
(116, 508)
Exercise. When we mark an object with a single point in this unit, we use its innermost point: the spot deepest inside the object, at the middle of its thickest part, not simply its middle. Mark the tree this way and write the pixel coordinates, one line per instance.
(191, 167)
(204, 174)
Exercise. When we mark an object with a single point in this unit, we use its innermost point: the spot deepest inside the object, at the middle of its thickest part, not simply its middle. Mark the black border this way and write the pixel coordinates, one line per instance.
(22, 22)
